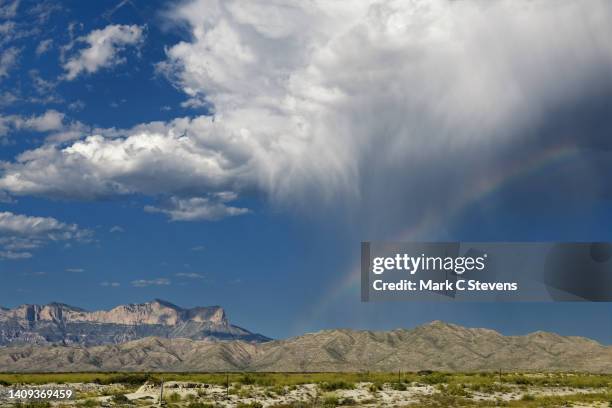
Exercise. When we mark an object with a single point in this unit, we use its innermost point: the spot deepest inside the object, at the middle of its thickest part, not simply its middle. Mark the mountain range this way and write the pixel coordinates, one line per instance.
(434, 346)
(61, 324)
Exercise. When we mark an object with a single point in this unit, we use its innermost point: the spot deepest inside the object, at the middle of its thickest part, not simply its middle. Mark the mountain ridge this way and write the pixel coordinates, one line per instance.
(59, 323)
(436, 346)
(154, 312)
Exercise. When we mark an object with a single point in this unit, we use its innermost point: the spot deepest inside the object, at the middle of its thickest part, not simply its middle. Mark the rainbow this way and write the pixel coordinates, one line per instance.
(349, 284)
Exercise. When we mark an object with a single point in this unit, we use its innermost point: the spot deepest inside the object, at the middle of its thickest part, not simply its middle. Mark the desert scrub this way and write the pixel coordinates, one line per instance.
(330, 400)
(235, 390)
(489, 388)
(120, 399)
(442, 400)
(375, 387)
(81, 395)
(347, 401)
(454, 389)
(201, 405)
(278, 390)
(131, 379)
(572, 380)
(267, 379)
(336, 385)
(173, 397)
(247, 379)
(435, 378)
(190, 397)
(399, 386)
(563, 401)
(246, 393)
(253, 379)
(88, 403)
(114, 390)
(33, 404)
(254, 404)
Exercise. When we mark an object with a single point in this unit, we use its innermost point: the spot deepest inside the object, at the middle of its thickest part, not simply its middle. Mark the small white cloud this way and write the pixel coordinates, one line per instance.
(20, 234)
(110, 284)
(8, 60)
(116, 228)
(75, 270)
(103, 48)
(50, 120)
(198, 248)
(23, 225)
(43, 11)
(11, 255)
(44, 46)
(9, 9)
(142, 283)
(40, 273)
(190, 275)
(43, 86)
(210, 208)
(76, 105)
(7, 28)
(7, 98)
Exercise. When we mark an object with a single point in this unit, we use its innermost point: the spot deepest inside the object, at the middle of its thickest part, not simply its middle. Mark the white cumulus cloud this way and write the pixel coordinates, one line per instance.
(324, 102)
(211, 208)
(50, 120)
(103, 49)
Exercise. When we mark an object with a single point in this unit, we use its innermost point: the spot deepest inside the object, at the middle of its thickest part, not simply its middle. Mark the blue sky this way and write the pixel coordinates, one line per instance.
(236, 154)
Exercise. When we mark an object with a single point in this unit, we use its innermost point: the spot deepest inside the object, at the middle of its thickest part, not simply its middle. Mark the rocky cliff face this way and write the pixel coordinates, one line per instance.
(155, 312)
(57, 323)
(436, 346)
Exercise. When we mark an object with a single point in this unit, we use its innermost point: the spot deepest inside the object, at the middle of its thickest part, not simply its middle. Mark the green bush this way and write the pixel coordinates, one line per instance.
(89, 403)
(435, 378)
(247, 379)
(336, 385)
(331, 401)
(120, 399)
(521, 380)
(374, 387)
(456, 390)
(399, 386)
(173, 397)
(347, 401)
